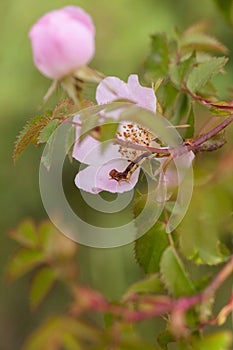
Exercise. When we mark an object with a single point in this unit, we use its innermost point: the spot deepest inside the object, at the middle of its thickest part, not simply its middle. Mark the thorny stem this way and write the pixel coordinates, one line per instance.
(156, 305)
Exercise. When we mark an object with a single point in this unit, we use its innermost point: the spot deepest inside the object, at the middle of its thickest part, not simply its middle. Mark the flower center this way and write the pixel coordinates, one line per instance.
(134, 133)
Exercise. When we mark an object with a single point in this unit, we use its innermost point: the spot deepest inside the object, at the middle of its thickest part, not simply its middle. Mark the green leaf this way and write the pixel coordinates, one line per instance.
(46, 159)
(150, 284)
(164, 339)
(174, 275)
(149, 248)
(221, 108)
(167, 95)
(54, 332)
(149, 167)
(70, 342)
(48, 131)
(202, 42)
(217, 341)
(29, 135)
(54, 244)
(47, 135)
(156, 65)
(41, 285)
(191, 122)
(90, 116)
(26, 234)
(87, 125)
(182, 108)
(22, 262)
(64, 109)
(46, 233)
(195, 38)
(201, 74)
(178, 71)
(69, 142)
(209, 90)
(200, 230)
(108, 131)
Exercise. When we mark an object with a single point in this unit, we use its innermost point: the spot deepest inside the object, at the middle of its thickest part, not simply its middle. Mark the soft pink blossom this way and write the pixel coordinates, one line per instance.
(96, 176)
(62, 41)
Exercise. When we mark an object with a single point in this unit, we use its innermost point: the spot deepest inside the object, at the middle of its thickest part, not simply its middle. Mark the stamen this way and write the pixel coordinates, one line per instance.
(126, 174)
(134, 133)
(117, 175)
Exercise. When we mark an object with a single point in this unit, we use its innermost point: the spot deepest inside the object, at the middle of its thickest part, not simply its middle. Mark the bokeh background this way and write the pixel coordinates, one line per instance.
(122, 42)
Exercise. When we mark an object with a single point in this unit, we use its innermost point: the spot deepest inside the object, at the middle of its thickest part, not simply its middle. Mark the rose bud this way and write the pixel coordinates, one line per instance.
(62, 41)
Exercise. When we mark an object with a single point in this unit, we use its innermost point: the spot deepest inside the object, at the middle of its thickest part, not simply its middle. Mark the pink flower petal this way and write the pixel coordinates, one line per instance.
(89, 151)
(86, 180)
(62, 41)
(78, 14)
(96, 177)
(111, 89)
(143, 96)
(104, 181)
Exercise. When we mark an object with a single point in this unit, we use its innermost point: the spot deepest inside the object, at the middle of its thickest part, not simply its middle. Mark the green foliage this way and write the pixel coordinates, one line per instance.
(178, 72)
(41, 129)
(42, 247)
(63, 332)
(49, 134)
(164, 339)
(191, 122)
(216, 341)
(186, 64)
(182, 109)
(150, 284)
(195, 38)
(221, 108)
(201, 75)
(156, 64)
(181, 68)
(149, 248)
(68, 333)
(41, 285)
(200, 240)
(65, 108)
(69, 142)
(29, 135)
(108, 131)
(47, 131)
(25, 234)
(23, 261)
(174, 275)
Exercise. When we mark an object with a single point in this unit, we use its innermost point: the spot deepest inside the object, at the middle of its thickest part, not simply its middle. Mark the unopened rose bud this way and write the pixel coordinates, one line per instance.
(62, 41)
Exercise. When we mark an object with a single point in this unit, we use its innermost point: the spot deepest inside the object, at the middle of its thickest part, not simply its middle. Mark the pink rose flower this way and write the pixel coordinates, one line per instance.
(62, 41)
(99, 174)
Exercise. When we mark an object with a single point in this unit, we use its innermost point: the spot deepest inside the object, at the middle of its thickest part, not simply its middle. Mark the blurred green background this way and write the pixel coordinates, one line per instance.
(122, 42)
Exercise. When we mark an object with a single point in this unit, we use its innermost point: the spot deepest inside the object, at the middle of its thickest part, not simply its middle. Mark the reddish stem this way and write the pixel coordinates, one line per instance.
(213, 132)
